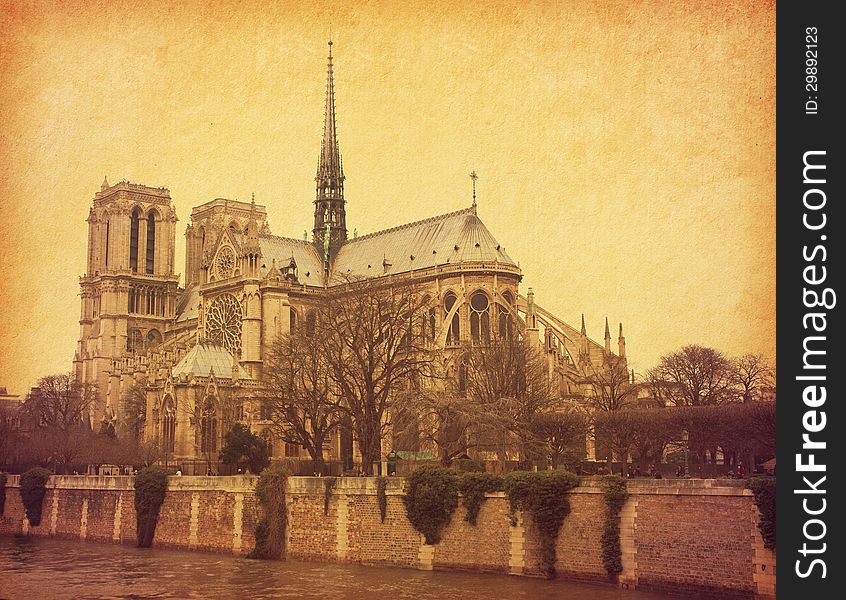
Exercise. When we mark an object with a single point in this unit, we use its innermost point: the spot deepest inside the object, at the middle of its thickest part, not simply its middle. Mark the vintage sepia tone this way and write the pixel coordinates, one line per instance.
(625, 150)
(533, 242)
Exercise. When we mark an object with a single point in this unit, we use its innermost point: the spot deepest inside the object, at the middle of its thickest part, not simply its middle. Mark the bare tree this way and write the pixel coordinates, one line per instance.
(454, 423)
(60, 402)
(508, 377)
(368, 334)
(610, 387)
(699, 376)
(751, 374)
(299, 392)
(561, 431)
(134, 411)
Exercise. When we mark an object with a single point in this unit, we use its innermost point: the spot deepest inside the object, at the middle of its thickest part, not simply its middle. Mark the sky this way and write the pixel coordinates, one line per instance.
(625, 150)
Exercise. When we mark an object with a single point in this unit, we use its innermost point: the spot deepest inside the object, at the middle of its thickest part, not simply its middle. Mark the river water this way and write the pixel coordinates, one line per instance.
(46, 569)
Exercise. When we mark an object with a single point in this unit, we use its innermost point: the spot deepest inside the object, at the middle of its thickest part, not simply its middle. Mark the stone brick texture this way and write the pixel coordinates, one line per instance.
(215, 521)
(312, 535)
(174, 525)
(695, 539)
(483, 547)
(695, 545)
(371, 542)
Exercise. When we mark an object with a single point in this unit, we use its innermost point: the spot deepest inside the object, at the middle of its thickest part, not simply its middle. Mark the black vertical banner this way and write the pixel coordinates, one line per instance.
(810, 258)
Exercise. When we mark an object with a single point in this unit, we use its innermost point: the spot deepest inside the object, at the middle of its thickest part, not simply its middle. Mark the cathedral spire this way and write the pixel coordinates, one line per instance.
(607, 337)
(329, 210)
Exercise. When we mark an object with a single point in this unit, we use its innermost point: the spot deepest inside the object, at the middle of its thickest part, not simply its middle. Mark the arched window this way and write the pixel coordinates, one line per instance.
(506, 323)
(151, 243)
(479, 318)
(208, 426)
(154, 338)
(293, 320)
(454, 332)
(133, 239)
(107, 242)
(168, 424)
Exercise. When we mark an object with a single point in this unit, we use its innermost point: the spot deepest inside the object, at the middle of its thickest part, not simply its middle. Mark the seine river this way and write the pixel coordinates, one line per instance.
(43, 569)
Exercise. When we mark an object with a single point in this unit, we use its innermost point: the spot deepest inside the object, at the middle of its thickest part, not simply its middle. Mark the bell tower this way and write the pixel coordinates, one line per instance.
(129, 288)
(330, 216)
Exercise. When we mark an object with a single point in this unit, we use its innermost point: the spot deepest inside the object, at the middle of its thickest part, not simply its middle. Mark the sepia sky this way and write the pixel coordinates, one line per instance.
(625, 150)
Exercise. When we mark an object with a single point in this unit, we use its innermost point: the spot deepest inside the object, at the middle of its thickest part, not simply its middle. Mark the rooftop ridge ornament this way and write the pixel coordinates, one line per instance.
(474, 177)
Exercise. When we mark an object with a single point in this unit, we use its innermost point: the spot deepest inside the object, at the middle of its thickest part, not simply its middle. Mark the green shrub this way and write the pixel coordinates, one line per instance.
(328, 486)
(244, 449)
(468, 465)
(764, 489)
(544, 495)
(270, 529)
(2, 493)
(33, 489)
(473, 487)
(381, 497)
(150, 490)
(615, 497)
(430, 499)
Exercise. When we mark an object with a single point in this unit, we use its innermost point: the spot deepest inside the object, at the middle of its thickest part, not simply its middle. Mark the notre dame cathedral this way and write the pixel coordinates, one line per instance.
(196, 347)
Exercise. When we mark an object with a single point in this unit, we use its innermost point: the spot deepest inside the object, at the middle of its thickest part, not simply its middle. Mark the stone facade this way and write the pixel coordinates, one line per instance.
(197, 352)
(695, 538)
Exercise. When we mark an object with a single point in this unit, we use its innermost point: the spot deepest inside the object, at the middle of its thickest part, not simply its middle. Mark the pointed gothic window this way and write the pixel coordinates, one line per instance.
(454, 332)
(293, 320)
(133, 240)
(208, 427)
(151, 243)
(479, 318)
(168, 424)
(505, 319)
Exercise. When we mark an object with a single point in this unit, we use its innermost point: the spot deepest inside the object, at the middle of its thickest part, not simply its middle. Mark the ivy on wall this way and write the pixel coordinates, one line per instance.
(150, 490)
(615, 494)
(328, 486)
(381, 497)
(2, 493)
(764, 489)
(33, 489)
(544, 495)
(270, 529)
(473, 487)
(431, 497)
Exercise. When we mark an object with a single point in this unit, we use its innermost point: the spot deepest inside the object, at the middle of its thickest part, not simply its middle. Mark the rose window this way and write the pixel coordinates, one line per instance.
(225, 263)
(223, 323)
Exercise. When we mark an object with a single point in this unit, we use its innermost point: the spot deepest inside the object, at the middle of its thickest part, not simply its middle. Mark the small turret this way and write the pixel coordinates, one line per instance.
(621, 343)
(607, 337)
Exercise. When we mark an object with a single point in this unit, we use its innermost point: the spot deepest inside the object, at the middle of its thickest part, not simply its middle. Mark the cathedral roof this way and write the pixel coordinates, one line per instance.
(205, 357)
(452, 238)
(189, 304)
(309, 263)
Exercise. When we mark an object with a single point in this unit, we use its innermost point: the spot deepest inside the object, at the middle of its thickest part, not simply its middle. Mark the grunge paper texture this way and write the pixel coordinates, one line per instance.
(625, 150)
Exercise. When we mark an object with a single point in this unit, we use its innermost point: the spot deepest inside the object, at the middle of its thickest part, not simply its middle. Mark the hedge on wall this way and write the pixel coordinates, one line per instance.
(473, 487)
(150, 490)
(544, 495)
(328, 486)
(615, 494)
(270, 529)
(764, 489)
(33, 489)
(381, 496)
(431, 496)
(2, 493)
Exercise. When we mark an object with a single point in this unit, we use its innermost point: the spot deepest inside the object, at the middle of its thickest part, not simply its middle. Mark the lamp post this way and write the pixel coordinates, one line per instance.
(686, 446)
